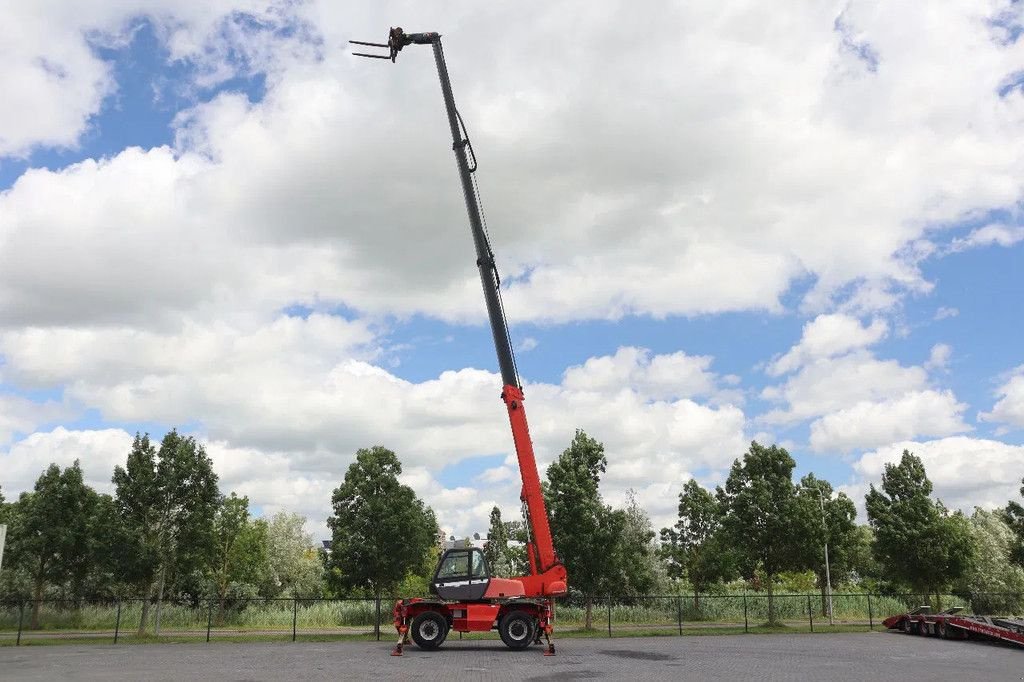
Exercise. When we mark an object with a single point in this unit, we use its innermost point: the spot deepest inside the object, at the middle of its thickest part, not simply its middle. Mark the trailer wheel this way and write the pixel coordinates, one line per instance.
(922, 628)
(429, 630)
(517, 630)
(943, 630)
(906, 626)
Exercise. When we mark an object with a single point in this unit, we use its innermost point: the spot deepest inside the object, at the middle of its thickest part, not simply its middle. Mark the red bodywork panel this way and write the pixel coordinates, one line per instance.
(474, 617)
(541, 549)
(503, 588)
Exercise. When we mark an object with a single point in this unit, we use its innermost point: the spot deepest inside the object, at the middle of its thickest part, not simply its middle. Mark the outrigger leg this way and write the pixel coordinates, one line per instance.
(403, 638)
(550, 651)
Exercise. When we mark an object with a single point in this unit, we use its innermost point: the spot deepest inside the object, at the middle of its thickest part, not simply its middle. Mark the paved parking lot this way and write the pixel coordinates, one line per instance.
(858, 656)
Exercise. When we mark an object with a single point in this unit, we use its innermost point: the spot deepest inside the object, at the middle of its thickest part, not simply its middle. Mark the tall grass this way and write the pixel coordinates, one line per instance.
(361, 613)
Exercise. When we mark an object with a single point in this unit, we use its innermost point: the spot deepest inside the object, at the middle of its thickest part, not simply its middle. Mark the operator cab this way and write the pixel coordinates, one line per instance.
(461, 575)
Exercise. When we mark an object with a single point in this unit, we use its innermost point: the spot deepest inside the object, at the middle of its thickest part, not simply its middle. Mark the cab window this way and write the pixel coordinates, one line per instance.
(478, 565)
(455, 564)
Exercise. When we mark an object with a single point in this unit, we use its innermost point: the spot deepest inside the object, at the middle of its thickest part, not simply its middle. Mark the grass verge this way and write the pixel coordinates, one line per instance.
(386, 635)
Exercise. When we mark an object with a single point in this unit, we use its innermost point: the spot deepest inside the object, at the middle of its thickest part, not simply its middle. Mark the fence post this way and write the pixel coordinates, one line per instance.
(209, 620)
(609, 616)
(871, 617)
(679, 605)
(810, 612)
(746, 626)
(376, 624)
(295, 616)
(117, 624)
(21, 619)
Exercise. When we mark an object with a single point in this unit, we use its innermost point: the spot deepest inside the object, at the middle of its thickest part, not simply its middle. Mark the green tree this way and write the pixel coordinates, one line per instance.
(49, 535)
(1014, 517)
(167, 499)
(381, 530)
(993, 582)
(693, 548)
(832, 522)
(584, 529)
(107, 545)
(917, 541)
(636, 556)
(515, 550)
(295, 566)
(496, 547)
(763, 519)
(859, 557)
(239, 564)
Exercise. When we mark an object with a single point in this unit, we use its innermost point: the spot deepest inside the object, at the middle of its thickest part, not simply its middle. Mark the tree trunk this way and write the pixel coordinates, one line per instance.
(588, 618)
(159, 602)
(37, 602)
(938, 601)
(771, 601)
(145, 610)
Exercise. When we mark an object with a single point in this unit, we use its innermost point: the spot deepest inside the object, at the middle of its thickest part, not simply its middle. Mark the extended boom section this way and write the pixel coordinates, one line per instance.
(521, 609)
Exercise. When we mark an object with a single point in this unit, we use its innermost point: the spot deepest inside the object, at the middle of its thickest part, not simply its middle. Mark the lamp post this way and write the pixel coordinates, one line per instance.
(828, 575)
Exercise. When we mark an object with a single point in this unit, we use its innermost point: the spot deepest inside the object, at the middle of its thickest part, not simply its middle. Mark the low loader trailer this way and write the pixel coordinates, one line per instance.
(951, 624)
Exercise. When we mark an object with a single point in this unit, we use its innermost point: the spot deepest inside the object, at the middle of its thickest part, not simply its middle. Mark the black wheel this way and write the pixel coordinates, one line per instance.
(907, 626)
(922, 628)
(429, 630)
(517, 629)
(943, 630)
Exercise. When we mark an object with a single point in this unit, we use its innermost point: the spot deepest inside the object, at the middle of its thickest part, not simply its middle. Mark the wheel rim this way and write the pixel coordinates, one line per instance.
(429, 630)
(518, 630)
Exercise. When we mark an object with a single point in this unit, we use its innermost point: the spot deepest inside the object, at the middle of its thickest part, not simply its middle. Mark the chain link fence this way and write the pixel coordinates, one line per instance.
(138, 620)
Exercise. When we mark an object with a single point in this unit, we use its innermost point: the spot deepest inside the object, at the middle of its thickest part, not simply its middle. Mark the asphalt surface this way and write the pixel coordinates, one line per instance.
(857, 656)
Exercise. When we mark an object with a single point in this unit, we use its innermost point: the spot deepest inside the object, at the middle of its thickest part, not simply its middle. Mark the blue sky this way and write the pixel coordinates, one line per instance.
(796, 248)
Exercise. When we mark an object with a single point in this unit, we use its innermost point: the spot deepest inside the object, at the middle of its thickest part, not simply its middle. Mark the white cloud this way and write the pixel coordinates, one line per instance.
(98, 452)
(793, 163)
(965, 471)
(21, 415)
(831, 384)
(939, 356)
(148, 284)
(989, 235)
(827, 336)
(659, 377)
(944, 312)
(54, 81)
(527, 344)
(871, 424)
(285, 404)
(1009, 409)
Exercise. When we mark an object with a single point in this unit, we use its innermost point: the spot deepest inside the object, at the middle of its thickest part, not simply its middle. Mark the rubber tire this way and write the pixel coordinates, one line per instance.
(922, 628)
(943, 630)
(907, 626)
(517, 630)
(426, 619)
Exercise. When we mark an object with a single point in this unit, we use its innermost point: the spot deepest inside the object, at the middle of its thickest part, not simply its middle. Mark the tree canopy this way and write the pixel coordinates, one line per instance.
(167, 499)
(49, 537)
(763, 519)
(381, 529)
(694, 547)
(916, 540)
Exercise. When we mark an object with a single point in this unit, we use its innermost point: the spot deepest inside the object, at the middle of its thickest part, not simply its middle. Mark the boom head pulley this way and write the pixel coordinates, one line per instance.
(397, 39)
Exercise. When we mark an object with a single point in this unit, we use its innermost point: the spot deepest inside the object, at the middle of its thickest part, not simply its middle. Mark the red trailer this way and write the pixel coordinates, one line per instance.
(950, 624)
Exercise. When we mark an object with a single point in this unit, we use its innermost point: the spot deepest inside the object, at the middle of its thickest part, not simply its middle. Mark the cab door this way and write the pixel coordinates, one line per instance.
(461, 575)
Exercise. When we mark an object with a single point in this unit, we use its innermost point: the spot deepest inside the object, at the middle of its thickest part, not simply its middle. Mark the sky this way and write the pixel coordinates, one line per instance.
(715, 223)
